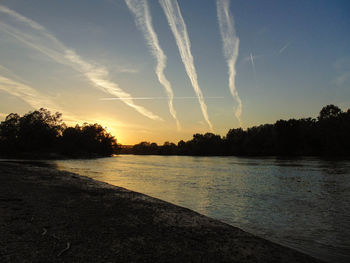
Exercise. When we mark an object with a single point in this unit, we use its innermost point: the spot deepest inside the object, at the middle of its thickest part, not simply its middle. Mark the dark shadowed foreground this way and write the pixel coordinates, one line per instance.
(52, 216)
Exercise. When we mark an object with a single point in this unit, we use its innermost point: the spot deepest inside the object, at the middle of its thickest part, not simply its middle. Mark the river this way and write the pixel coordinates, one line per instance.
(301, 203)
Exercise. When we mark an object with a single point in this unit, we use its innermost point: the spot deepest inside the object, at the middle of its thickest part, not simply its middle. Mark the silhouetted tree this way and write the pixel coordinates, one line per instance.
(329, 134)
(9, 132)
(234, 141)
(89, 139)
(168, 148)
(330, 126)
(329, 112)
(39, 132)
(35, 131)
(146, 148)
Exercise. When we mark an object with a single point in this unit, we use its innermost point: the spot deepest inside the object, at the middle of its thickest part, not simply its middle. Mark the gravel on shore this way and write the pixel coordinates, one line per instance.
(53, 216)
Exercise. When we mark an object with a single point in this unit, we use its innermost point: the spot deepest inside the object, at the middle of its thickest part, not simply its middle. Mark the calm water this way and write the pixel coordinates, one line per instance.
(304, 203)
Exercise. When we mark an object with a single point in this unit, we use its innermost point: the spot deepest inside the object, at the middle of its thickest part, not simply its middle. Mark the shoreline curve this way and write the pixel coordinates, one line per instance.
(55, 216)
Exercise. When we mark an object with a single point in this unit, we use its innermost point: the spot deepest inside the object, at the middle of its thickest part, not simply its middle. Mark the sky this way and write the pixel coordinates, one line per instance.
(163, 70)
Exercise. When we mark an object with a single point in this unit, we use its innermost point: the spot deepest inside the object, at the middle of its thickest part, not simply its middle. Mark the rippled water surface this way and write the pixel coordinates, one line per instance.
(301, 203)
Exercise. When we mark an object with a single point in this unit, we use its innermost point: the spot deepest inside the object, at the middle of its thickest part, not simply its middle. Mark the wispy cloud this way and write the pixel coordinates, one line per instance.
(252, 61)
(127, 70)
(7, 72)
(38, 100)
(230, 49)
(283, 48)
(31, 96)
(160, 98)
(266, 55)
(43, 41)
(252, 56)
(143, 19)
(179, 29)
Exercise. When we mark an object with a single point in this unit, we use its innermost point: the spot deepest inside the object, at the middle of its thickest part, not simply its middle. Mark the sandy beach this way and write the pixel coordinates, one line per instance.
(52, 216)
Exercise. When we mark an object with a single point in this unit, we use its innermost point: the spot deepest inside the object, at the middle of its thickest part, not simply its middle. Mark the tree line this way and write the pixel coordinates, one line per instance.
(40, 133)
(326, 135)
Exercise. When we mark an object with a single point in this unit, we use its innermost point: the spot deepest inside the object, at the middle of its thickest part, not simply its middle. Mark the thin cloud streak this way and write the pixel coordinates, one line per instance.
(9, 72)
(252, 58)
(230, 49)
(31, 96)
(143, 20)
(179, 29)
(39, 100)
(255, 57)
(283, 48)
(44, 42)
(160, 98)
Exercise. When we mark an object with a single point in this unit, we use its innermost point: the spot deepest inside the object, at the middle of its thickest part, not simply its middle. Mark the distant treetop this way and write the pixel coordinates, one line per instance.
(40, 132)
(328, 135)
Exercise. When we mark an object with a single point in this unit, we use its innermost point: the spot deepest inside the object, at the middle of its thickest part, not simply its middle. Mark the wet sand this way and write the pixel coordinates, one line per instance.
(53, 216)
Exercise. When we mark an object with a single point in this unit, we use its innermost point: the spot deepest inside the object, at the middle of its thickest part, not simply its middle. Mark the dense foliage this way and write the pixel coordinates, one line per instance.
(39, 132)
(328, 135)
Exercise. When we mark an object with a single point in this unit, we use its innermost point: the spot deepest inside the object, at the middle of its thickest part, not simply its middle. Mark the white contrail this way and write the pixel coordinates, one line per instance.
(46, 43)
(230, 49)
(179, 29)
(253, 66)
(283, 48)
(252, 60)
(143, 19)
(160, 98)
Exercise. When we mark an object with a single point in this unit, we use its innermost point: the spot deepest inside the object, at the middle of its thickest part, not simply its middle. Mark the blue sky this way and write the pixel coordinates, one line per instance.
(293, 58)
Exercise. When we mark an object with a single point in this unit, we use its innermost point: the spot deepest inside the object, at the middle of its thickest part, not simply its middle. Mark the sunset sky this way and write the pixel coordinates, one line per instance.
(160, 70)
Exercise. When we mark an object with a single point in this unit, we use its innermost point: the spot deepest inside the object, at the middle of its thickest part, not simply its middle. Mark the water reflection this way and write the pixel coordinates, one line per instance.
(303, 203)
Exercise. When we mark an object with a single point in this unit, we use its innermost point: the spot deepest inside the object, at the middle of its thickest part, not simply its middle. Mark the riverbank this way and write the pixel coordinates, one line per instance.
(53, 216)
